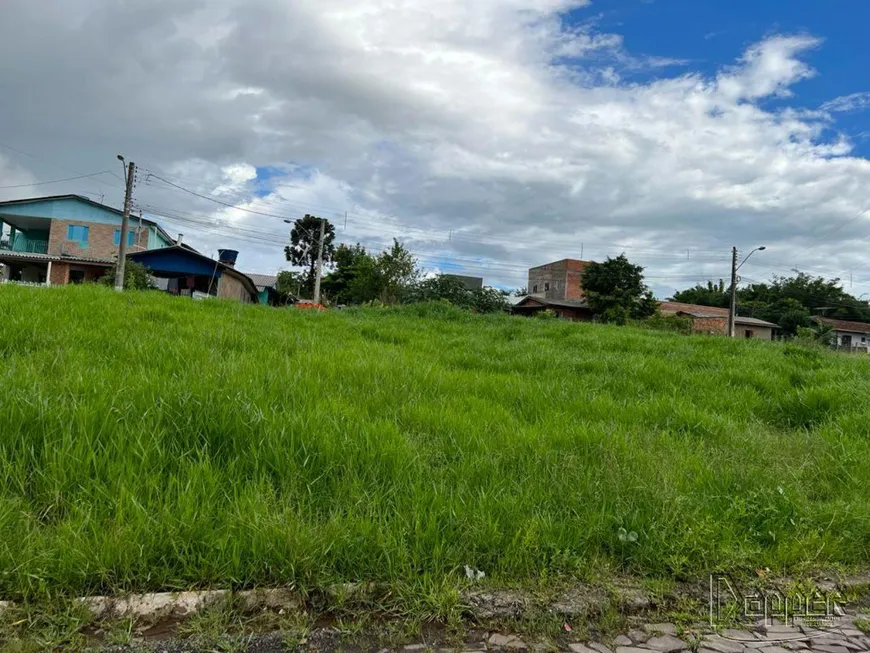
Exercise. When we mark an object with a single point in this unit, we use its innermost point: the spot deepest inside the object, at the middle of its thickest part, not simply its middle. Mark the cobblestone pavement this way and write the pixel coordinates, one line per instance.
(840, 636)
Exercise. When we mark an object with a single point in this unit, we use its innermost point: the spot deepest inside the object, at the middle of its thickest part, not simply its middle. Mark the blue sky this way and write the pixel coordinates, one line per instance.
(708, 34)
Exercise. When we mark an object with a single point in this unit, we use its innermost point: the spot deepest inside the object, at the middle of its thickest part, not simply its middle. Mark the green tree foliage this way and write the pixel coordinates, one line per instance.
(787, 301)
(304, 246)
(290, 284)
(815, 294)
(352, 280)
(440, 287)
(451, 289)
(136, 277)
(820, 333)
(709, 295)
(360, 277)
(489, 300)
(615, 291)
(395, 270)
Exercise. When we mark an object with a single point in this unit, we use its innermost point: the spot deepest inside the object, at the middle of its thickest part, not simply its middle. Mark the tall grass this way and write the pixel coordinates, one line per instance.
(148, 443)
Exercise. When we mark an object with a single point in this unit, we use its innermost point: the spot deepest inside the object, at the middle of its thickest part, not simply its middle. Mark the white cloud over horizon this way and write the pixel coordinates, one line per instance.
(491, 133)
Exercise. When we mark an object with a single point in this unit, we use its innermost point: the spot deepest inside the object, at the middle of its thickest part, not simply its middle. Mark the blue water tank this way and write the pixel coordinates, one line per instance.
(228, 256)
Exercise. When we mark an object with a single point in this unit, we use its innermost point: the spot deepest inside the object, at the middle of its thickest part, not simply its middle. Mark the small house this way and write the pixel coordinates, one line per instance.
(848, 335)
(714, 321)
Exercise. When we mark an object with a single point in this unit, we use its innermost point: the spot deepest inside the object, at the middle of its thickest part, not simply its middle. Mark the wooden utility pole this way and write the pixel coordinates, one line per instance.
(732, 305)
(319, 261)
(122, 245)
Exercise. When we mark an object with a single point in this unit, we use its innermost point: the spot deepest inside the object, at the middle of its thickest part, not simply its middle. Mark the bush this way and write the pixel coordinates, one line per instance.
(670, 323)
(136, 277)
(546, 314)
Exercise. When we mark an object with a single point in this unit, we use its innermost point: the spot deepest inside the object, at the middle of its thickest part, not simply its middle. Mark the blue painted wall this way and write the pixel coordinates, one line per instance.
(65, 209)
(78, 211)
(156, 240)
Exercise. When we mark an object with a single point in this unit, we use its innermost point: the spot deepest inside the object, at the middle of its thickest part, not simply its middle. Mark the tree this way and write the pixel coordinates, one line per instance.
(351, 280)
(787, 312)
(709, 295)
(488, 300)
(289, 283)
(440, 287)
(450, 289)
(786, 301)
(136, 277)
(304, 246)
(395, 269)
(615, 291)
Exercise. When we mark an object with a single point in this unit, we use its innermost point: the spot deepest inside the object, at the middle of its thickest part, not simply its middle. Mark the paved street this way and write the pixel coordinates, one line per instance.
(840, 636)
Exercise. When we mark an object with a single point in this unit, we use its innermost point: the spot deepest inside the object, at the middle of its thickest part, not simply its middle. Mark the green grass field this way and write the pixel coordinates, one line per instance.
(148, 442)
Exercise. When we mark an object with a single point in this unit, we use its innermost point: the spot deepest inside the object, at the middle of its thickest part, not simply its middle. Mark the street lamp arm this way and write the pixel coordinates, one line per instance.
(757, 249)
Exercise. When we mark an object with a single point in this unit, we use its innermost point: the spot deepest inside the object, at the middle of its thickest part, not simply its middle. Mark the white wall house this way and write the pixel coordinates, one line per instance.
(850, 336)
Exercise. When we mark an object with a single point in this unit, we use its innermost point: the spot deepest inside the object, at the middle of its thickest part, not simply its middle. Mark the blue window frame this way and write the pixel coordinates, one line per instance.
(78, 233)
(131, 238)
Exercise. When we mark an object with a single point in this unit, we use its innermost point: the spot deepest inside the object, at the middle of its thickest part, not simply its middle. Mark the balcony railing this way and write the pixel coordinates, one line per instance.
(12, 282)
(25, 246)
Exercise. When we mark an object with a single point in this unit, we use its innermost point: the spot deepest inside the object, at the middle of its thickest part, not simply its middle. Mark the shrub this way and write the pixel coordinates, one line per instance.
(670, 323)
(136, 277)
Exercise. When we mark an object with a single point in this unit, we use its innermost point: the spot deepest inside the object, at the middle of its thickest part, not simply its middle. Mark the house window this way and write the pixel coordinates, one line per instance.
(131, 238)
(78, 233)
(747, 334)
(76, 276)
(535, 288)
(546, 286)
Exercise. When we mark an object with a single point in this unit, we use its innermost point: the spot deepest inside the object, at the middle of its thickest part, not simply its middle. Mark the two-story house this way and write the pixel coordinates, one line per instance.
(65, 239)
(557, 287)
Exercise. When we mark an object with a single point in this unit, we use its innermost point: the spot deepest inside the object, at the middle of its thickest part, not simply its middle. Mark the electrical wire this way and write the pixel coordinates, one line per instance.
(56, 181)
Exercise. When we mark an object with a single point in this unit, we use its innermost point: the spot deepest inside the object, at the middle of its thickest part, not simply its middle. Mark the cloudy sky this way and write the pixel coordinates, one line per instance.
(488, 135)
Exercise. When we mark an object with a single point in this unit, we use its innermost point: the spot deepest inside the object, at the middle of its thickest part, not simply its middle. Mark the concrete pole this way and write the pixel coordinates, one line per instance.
(732, 305)
(319, 261)
(122, 246)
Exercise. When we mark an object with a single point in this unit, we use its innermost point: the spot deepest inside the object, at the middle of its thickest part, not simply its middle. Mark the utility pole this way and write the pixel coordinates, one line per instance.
(319, 261)
(122, 245)
(732, 305)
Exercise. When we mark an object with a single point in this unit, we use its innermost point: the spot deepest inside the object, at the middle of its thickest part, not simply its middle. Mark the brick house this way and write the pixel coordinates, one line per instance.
(556, 287)
(560, 280)
(848, 335)
(64, 239)
(713, 320)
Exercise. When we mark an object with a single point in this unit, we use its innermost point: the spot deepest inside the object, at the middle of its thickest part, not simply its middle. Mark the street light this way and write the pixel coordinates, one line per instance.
(757, 249)
(123, 166)
(732, 305)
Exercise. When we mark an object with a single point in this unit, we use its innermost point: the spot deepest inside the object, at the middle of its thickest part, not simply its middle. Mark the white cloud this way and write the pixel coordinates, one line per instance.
(489, 130)
(848, 103)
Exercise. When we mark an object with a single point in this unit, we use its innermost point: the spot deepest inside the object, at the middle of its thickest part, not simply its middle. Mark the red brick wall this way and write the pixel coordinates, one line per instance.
(101, 239)
(59, 274)
(575, 314)
(574, 279)
(564, 279)
(715, 325)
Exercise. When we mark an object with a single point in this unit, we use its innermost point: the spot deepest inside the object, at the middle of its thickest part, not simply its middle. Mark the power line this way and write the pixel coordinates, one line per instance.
(378, 224)
(55, 181)
(52, 163)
